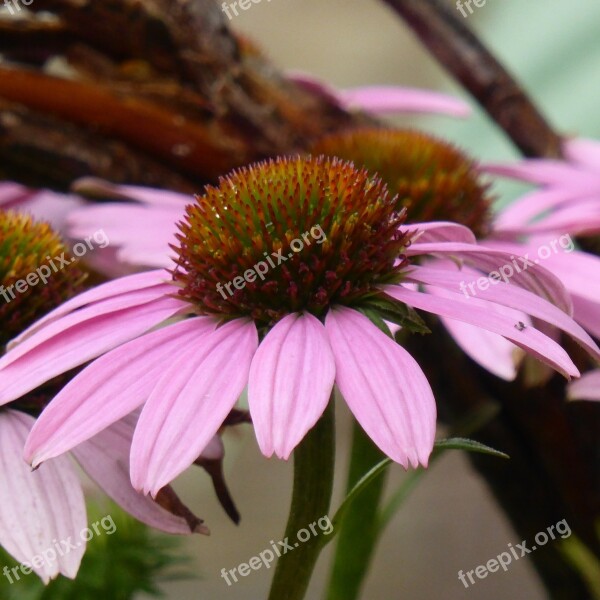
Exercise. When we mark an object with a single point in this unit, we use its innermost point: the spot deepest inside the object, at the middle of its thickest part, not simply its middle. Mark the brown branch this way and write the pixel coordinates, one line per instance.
(443, 31)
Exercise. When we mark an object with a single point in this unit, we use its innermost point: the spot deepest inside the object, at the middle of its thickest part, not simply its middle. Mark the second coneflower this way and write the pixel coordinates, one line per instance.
(287, 273)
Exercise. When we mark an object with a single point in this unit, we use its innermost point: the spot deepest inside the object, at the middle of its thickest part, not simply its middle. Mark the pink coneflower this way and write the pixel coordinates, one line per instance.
(176, 344)
(41, 511)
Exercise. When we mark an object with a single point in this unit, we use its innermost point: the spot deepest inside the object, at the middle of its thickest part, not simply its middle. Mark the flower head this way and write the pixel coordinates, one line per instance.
(434, 180)
(26, 247)
(326, 234)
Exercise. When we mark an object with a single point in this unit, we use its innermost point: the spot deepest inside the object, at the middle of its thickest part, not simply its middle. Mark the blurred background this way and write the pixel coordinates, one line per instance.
(450, 521)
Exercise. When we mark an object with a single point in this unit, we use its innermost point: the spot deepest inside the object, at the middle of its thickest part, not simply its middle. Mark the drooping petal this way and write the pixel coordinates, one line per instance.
(578, 271)
(493, 352)
(508, 295)
(105, 458)
(489, 316)
(109, 389)
(41, 511)
(105, 291)
(82, 341)
(384, 100)
(586, 388)
(290, 383)
(190, 403)
(532, 277)
(384, 387)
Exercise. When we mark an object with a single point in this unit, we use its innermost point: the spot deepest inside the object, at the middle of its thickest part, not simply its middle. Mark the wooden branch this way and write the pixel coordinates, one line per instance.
(177, 88)
(443, 31)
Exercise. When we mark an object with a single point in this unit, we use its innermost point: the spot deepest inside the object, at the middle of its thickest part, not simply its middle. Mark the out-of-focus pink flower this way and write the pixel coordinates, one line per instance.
(42, 511)
(141, 224)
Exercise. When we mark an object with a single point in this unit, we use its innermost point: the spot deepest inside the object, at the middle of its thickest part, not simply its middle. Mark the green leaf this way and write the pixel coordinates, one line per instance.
(397, 312)
(469, 446)
(369, 476)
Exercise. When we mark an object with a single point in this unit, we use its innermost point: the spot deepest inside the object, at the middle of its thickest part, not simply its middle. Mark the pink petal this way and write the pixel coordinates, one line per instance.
(42, 205)
(506, 295)
(214, 450)
(142, 234)
(109, 389)
(44, 356)
(586, 388)
(586, 152)
(578, 271)
(106, 291)
(517, 215)
(587, 314)
(546, 172)
(493, 352)
(384, 387)
(490, 258)
(105, 458)
(441, 231)
(391, 100)
(491, 317)
(290, 383)
(38, 509)
(190, 403)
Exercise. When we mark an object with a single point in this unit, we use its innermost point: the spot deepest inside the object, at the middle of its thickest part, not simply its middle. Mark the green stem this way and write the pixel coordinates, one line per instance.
(358, 532)
(313, 482)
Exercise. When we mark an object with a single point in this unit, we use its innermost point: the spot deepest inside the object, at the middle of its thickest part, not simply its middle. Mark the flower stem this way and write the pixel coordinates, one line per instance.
(359, 532)
(313, 482)
(441, 28)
